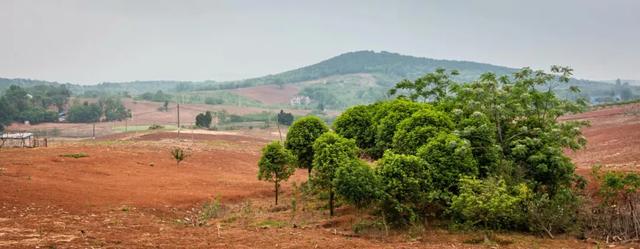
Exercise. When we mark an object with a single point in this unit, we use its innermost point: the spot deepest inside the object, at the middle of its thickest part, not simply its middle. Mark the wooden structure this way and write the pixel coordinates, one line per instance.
(21, 139)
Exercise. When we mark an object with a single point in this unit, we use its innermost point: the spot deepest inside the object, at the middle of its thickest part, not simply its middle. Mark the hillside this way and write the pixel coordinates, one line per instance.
(347, 79)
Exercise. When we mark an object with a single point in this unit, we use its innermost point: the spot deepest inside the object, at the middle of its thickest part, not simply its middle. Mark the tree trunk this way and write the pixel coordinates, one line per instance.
(330, 202)
(276, 193)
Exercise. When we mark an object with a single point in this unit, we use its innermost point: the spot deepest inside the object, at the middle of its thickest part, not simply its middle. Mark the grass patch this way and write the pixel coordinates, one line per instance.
(75, 155)
(271, 224)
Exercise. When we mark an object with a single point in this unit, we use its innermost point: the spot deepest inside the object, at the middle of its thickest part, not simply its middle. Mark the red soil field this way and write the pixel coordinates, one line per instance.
(269, 94)
(613, 139)
(129, 193)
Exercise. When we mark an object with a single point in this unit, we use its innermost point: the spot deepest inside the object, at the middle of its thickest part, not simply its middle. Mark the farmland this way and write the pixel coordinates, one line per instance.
(128, 192)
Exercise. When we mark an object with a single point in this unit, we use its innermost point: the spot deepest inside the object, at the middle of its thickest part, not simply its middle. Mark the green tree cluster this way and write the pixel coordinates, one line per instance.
(204, 119)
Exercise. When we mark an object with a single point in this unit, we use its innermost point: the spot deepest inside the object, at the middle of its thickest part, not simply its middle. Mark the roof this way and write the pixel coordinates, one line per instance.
(16, 135)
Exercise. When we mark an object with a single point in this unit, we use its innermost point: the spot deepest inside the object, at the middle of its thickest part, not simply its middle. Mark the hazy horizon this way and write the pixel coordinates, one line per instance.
(88, 42)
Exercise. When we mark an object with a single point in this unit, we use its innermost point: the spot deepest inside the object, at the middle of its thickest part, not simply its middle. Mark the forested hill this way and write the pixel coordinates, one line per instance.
(386, 65)
(347, 79)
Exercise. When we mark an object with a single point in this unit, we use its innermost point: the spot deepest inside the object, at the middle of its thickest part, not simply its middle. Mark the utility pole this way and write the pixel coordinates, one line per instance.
(94, 131)
(178, 120)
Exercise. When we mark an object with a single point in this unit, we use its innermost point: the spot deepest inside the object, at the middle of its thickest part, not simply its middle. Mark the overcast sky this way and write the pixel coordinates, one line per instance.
(96, 41)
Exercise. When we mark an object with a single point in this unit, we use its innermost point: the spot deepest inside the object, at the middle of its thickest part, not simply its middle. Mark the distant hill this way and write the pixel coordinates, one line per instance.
(344, 80)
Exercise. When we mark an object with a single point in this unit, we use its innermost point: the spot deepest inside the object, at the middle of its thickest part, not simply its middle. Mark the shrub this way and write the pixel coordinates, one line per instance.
(489, 204)
(155, 127)
(404, 183)
(357, 184)
(179, 155)
(75, 155)
(300, 138)
(449, 157)
(553, 214)
(275, 165)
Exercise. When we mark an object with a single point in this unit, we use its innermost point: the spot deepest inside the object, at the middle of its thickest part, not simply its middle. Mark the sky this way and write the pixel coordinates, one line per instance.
(93, 41)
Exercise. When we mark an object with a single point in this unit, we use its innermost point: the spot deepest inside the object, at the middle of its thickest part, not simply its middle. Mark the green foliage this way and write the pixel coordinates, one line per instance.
(204, 119)
(357, 123)
(405, 183)
(113, 109)
(489, 203)
(331, 151)
(19, 104)
(75, 155)
(418, 129)
(211, 209)
(300, 138)
(553, 214)
(275, 165)
(388, 115)
(431, 87)
(84, 113)
(449, 158)
(159, 96)
(285, 118)
(357, 184)
(179, 155)
(618, 185)
(476, 128)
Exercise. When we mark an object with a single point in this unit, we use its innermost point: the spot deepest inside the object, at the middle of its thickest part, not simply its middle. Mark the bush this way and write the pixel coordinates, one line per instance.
(404, 183)
(553, 214)
(179, 155)
(357, 184)
(489, 204)
(449, 157)
(300, 138)
(155, 127)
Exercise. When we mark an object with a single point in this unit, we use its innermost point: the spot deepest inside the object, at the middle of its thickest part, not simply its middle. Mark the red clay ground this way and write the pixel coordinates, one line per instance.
(613, 140)
(129, 193)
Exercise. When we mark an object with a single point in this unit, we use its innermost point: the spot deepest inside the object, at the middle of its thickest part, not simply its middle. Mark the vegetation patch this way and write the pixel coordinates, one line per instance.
(75, 155)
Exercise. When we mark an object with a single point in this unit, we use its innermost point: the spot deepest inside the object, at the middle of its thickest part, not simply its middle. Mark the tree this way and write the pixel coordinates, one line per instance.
(300, 138)
(275, 165)
(331, 151)
(357, 184)
(387, 116)
(418, 129)
(431, 87)
(357, 123)
(204, 119)
(285, 118)
(113, 109)
(179, 155)
(84, 113)
(449, 157)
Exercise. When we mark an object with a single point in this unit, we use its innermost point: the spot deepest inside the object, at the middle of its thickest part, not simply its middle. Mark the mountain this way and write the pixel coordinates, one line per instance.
(344, 80)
